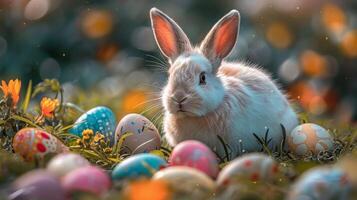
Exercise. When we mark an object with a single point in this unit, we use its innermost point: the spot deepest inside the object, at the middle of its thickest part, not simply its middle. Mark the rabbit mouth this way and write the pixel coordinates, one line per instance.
(182, 113)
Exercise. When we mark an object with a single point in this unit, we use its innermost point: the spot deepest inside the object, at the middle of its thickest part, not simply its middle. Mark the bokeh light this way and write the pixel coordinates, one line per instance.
(35, 9)
(279, 35)
(97, 23)
(333, 18)
(313, 64)
(349, 44)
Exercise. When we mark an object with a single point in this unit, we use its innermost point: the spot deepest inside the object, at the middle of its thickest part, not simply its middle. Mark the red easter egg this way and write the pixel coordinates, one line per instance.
(197, 155)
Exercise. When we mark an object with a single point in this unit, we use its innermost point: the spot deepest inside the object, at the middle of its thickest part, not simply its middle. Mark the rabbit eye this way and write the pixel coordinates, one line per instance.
(202, 78)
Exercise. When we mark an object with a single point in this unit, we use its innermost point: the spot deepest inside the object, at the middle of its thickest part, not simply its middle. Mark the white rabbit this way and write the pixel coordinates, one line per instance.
(206, 96)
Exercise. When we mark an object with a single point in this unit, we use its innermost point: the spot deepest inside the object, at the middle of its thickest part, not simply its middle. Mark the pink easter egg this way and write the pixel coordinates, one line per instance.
(145, 137)
(197, 155)
(33, 142)
(87, 179)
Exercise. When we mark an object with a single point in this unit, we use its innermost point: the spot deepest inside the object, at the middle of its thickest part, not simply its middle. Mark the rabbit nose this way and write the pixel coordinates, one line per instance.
(179, 97)
(179, 100)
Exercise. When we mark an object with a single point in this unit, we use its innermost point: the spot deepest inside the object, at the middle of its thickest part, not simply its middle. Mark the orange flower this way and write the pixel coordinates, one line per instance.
(148, 189)
(13, 89)
(48, 106)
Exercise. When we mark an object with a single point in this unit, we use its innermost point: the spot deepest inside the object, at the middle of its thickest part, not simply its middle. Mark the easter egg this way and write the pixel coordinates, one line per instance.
(252, 167)
(309, 138)
(186, 179)
(99, 119)
(89, 179)
(145, 137)
(65, 163)
(321, 183)
(138, 165)
(31, 142)
(37, 184)
(195, 154)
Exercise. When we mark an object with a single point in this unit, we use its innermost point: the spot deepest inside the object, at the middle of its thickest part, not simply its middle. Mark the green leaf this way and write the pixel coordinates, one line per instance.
(27, 121)
(26, 101)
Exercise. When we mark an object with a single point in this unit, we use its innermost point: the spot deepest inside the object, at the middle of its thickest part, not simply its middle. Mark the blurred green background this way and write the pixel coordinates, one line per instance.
(104, 51)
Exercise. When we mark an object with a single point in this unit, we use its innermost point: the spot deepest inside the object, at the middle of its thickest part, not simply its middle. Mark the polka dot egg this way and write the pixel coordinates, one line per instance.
(99, 119)
(195, 154)
(32, 142)
(145, 137)
(321, 183)
(252, 167)
(309, 138)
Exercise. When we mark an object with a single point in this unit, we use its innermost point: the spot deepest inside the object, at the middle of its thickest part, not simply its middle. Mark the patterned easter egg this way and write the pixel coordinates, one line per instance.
(252, 166)
(89, 179)
(195, 154)
(31, 142)
(321, 183)
(65, 163)
(137, 166)
(309, 138)
(185, 179)
(145, 136)
(99, 119)
(37, 184)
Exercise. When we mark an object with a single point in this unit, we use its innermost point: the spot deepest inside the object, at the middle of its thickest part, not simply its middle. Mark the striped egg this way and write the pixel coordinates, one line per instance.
(99, 119)
(251, 167)
(145, 137)
(309, 138)
(32, 142)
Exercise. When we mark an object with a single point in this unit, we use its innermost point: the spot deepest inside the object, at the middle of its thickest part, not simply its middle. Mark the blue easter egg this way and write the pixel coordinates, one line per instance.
(144, 164)
(321, 183)
(99, 119)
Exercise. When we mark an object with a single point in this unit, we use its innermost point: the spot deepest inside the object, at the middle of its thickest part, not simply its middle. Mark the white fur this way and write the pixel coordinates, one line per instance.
(236, 101)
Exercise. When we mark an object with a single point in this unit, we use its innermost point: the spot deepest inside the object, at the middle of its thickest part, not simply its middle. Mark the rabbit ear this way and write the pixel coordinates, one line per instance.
(170, 38)
(221, 38)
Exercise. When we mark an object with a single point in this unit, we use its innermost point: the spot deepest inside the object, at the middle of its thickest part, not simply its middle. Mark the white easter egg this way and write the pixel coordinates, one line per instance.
(64, 163)
(309, 138)
(185, 179)
(252, 166)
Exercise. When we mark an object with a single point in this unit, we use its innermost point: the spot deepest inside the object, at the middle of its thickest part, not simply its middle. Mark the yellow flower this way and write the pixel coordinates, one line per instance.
(48, 106)
(87, 133)
(13, 89)
(98, 137)
(107, 150)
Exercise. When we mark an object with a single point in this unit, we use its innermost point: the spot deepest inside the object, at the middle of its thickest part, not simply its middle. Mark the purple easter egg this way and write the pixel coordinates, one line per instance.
(197, 155)
(37, 184)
